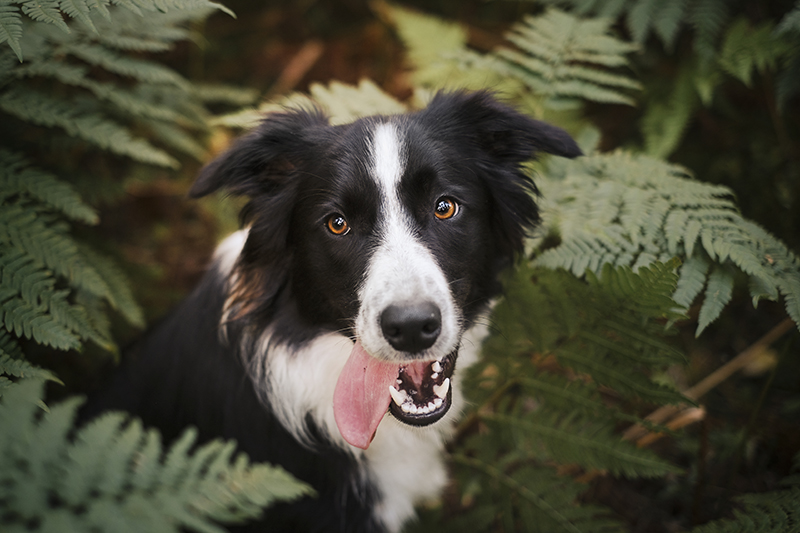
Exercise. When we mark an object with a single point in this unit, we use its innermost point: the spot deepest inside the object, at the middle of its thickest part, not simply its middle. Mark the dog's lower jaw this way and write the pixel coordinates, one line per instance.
(405, 464)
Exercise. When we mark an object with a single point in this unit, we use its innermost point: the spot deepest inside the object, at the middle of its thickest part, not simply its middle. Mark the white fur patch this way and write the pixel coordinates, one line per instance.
(402, 270)
(405, 463)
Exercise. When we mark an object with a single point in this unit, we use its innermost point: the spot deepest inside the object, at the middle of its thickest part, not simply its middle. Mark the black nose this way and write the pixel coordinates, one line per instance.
(411, 327)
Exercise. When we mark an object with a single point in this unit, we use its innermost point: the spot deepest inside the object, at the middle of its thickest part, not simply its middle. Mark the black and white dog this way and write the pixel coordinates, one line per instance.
(325, 336)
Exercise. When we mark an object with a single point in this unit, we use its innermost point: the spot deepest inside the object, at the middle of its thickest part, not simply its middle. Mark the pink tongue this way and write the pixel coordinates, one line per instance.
(362, 396)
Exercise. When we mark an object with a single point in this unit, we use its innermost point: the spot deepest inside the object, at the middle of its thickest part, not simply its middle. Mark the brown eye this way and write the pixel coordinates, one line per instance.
(337, 224)
(445, 208)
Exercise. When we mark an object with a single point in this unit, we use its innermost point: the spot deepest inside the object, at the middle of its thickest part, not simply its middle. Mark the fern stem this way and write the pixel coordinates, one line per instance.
(715, 378)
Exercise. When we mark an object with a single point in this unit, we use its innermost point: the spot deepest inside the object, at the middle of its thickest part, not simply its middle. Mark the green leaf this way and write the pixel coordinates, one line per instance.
(95, 128)
(10, 26)
(627, 209)
(112, 476)
(718, 293)
(18, 177)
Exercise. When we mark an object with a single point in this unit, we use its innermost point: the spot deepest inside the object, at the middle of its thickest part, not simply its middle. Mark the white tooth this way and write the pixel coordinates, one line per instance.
(437, 402)
(397, 396)
(441, 390)
(435, 375)
(431, 407)
(436, 366)
(399, 381)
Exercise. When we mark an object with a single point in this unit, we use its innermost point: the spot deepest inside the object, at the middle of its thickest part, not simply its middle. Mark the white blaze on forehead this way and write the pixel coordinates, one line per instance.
(402, 270)
(387, 157)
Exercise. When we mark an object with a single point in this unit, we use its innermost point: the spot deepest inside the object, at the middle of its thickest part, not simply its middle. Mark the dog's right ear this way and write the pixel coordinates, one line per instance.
(256, 162)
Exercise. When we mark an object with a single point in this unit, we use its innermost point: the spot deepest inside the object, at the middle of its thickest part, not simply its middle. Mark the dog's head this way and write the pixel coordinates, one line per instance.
(391, 230)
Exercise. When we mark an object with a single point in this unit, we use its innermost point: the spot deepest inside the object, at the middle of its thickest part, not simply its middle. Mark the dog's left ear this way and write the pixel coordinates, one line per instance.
(501, 139)
(497, 129)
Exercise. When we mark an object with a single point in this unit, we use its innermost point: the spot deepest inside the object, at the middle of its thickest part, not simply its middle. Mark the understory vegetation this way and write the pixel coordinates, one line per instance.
(642, 373)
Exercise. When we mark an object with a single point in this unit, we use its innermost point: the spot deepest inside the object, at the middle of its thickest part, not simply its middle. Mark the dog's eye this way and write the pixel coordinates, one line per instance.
(445, 208)
(337, 224)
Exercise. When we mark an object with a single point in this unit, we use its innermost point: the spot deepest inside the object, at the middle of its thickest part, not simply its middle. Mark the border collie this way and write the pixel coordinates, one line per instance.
(325, 337)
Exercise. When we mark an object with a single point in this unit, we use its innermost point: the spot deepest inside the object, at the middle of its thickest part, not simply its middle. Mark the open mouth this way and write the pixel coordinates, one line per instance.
(418, 393)
(422, 394)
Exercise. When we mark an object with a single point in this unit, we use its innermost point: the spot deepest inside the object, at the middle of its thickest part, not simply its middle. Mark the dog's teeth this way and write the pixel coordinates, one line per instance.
(441, 390)
(435, 375)
(436, 366)
(398, 397)
(437, 402)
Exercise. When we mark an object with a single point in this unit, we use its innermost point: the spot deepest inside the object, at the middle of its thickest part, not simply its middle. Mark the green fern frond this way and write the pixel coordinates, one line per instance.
(642, 17)
(532, 499)
(437, 50)
(708, 17)
(665, 121)
(18, 177)
(39, 108)
(113, 476)
(45, 11)
(719, 292)
(82, 10)
(560, 57)
(537, 398)
(52, 13)
(776, 512)
(20, 368)
(11, 26)
(129, 102)
(588, 443)
(629, 210)
(10, 346)
(343, 103)
(119, 293)
(50, 245)
(138, 69)
(25, 320)
(746, 49)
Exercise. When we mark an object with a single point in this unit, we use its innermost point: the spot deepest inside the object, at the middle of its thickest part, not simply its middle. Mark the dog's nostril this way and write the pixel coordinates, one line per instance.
(411, 327)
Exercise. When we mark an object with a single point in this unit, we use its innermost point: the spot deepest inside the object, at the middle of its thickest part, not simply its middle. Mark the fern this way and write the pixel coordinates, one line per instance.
(631, 210)
(662, 18)
(115, 476)
(745, 49)
(559, 342)
(341, 102)
(52, 12)
(39, 108)
(722, 46)
(666, 120)
(564, 59)
(777, 512)
(561, 58)
(56, 290)
(17, 178)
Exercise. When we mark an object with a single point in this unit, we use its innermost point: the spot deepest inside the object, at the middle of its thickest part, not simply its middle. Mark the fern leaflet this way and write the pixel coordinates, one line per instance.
(95, 128)
(11, 26)
(559, 58)
(113, 476)
(17, 177)
(537, 391)
(777, 512)
(631, 210)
